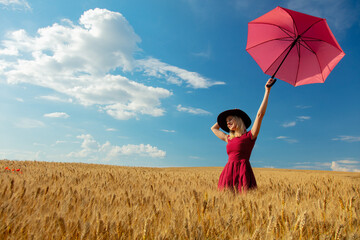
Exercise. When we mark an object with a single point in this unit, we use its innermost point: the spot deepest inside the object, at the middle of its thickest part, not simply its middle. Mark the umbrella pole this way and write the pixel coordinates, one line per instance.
(291, 47)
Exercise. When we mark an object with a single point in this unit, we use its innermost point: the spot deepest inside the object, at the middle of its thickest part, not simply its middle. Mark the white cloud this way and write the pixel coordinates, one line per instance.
(58, 142)
(313, 165)
(303, 106)
(347, 139)
(289, 124)
(303, 118)
(287, 139)
(142, 150)
(16, 4)
(155, 68)
(168, 131)
(111, 130)
(269, 167)
(345, 166)
(56, 99)
(29, 123)
(19, 154)
(293, 123)
(57, 115)
(347, 161)
(124, 99)
(195, 111)
(76, 61)
(90, 148)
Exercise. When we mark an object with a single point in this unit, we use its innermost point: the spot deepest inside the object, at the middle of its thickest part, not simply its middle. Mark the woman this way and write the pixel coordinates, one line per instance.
(238, 174)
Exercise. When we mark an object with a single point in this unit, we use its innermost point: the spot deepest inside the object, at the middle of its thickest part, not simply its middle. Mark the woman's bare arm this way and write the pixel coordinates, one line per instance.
(261, 112)
(216, 130)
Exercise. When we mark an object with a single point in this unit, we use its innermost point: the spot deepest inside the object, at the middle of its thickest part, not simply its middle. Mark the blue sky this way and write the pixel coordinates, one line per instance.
(140, 83)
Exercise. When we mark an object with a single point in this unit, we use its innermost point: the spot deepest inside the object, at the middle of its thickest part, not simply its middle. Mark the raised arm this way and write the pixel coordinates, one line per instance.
(261, 112)
(216, 130)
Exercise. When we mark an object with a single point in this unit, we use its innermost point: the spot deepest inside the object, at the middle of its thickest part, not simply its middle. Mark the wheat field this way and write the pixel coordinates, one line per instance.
(44, 200)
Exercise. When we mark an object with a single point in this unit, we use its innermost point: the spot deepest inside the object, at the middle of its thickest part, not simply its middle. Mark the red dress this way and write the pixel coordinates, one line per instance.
(238, 173)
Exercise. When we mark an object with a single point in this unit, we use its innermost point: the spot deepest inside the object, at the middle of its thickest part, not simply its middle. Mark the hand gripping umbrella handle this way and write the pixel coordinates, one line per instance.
(270, 85)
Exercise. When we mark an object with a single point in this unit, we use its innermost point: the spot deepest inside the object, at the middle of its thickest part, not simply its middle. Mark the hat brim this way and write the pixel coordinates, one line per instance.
(221, 119)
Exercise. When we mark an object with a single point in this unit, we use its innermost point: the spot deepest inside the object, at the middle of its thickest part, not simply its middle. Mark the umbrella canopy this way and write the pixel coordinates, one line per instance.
(297, 48)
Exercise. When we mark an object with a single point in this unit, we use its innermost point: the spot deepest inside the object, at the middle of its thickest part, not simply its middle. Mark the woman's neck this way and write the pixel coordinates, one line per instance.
(236, 134)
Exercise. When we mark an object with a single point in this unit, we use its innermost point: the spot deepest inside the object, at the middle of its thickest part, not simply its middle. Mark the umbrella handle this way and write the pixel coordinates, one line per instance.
(270, 85)
(291, 47)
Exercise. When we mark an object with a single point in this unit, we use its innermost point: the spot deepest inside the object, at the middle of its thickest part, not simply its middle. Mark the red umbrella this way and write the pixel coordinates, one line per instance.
(296, 47)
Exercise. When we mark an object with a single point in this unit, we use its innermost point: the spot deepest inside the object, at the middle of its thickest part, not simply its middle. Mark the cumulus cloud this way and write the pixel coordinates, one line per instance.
(56, 115)
(79, 61)
(345, 166)
(191, 110)
(90, 148)
(347, 138)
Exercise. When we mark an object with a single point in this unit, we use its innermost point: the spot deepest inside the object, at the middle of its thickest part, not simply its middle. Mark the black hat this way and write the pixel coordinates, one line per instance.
(221, 119)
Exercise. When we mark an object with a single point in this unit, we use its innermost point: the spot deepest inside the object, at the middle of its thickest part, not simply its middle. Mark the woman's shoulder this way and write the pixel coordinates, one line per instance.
(250, 135)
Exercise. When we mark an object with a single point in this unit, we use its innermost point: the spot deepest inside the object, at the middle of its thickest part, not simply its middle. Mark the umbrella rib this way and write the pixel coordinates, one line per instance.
(311, 26)
(281, 28)
(318, 61)
(305, 45)
(285, 31)
(307, 39)
(313, 39)
(310, 39)
(287, 49)
(298, 65)
(275, 39)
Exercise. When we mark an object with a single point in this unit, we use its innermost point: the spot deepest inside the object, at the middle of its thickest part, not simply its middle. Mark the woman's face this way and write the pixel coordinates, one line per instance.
(231, 123)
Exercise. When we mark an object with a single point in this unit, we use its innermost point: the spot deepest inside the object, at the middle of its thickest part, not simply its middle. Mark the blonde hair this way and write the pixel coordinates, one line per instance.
(240, 126)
